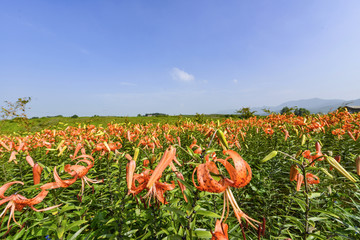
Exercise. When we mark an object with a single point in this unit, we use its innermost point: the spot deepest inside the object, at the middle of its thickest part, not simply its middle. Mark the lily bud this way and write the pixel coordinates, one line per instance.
(300, 179)
(269, 156)
(222, 139)
(318, 147)
(339, 168)
(357, 160)
(293, 173)
(130, 169)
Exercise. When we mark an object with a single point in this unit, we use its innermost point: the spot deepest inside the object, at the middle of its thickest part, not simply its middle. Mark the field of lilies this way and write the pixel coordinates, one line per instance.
(274, 177)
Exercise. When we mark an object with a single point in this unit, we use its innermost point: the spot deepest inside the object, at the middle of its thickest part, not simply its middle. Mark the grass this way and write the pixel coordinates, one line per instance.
(18, 127)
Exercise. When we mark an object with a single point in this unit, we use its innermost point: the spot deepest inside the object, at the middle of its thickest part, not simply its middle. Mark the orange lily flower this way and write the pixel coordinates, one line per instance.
(296, 176)
(221, 231)
(149, 179)
(318, 156)
(130, 169)
(142, 179)
(240, 176)
(198, 149)
(13, 156)
(180, 176)
(158, 189)
(229, 197)
(206, 181)
(59, 182)
(37, 169)
(155, 187)
(18, 202)
(80, 171)
(312, 179)
(168, 156)
(240, 173)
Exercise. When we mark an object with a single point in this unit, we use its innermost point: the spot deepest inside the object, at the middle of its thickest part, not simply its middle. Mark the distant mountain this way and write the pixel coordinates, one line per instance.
(314, 105)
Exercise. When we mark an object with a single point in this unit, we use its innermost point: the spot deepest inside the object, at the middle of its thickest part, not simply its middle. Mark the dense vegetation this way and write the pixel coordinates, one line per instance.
(308, 209)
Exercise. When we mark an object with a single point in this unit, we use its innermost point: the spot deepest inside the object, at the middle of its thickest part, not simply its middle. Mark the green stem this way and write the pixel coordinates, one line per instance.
(307, 209)
(191, 216)
(4, 173)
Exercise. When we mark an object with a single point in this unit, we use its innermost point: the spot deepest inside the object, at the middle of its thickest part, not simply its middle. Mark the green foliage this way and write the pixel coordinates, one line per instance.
(245, 113)
(199, 118)
(108, 212)
(297, 111)
(286, 110)
(16, 111)
(301, 112)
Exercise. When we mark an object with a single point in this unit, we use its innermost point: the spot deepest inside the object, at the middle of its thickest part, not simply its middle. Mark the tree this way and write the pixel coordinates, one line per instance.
(245, 113)
(267, 111)
(17, 111)
(301, 112)
(286, 110)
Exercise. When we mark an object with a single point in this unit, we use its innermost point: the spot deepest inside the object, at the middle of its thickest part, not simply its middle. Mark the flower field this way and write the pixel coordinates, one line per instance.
(274, 177)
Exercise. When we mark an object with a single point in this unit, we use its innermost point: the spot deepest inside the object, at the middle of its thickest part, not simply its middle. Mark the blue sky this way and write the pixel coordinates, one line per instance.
(177, 57)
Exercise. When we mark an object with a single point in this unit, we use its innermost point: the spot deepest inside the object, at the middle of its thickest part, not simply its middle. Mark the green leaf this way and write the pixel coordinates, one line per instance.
(296, 221)
(75, 224)
(208, 214)
(19, 234)
(202, 234)
(187, 185)
(317, 236)
(147, 235)
(315, 219)
(210, 151)
(110, 221)
(177, 211)
(301, 203)
(325, 212)
(60, 231)
(78, 232)
(314, 195)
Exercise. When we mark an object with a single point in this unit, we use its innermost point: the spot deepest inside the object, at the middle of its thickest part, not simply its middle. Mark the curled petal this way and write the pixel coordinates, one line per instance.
(48, 186)
(45, 209)
(76, 170)
(161, 188)
(13, 156)
(312, 179)
(37, 169)
(30, 160)
(63, 183)
(5, 187)
(206, 181)
(240, 173)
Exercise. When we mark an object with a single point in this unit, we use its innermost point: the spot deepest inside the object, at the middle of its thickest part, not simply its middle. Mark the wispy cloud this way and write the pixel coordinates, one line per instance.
(235, 81)
(178, 74)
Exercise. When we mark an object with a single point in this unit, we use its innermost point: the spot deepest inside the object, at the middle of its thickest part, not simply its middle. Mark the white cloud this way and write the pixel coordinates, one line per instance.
(178, 74)
(235, 81)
